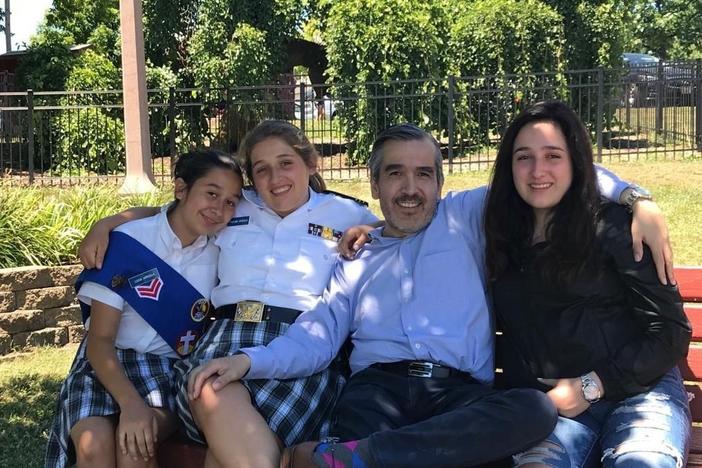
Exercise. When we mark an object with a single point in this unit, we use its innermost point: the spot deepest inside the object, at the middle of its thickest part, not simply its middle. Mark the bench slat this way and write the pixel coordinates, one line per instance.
(691, 368)
(694, 314)
(690, 283)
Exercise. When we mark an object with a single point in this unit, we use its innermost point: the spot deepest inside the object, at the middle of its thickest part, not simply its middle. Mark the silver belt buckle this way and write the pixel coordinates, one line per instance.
(249, 311)
(420, 369)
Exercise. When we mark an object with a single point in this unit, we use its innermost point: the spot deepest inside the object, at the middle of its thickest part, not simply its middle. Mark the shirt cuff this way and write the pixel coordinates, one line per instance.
(261, 363)
(611, 186)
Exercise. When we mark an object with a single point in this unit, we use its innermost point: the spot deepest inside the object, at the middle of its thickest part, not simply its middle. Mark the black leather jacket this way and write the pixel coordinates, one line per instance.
(617, 319)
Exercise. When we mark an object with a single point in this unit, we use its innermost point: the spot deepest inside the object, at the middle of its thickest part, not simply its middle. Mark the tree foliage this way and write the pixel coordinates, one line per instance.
(595, 31)
(505, 43)
(382, 41)
(670, 29)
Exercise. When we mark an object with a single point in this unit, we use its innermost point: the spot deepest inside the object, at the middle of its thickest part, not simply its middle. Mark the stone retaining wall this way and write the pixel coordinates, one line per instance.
(38, 307)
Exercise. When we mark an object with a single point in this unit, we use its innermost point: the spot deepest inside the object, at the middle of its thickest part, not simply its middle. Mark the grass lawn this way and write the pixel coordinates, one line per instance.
(29, 383)
(675, 185)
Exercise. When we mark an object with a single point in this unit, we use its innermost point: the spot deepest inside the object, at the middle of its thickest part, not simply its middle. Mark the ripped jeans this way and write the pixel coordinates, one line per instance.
(648, 430)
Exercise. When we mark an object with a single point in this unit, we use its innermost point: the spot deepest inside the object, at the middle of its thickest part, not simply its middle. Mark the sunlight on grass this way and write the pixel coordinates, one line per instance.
(675, 185)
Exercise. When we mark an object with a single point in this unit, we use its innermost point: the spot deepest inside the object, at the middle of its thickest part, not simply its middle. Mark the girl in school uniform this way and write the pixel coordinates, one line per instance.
(276, 258)
(146, 306)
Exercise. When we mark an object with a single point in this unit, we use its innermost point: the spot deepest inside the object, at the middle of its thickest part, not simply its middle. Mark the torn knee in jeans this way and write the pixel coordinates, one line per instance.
(644, 453)
(547, 454)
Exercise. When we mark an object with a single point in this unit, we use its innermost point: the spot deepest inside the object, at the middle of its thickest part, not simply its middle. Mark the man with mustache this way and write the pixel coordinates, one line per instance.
(413, 302)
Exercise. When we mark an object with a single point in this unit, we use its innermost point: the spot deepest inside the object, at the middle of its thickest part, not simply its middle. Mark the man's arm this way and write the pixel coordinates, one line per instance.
(94, 245)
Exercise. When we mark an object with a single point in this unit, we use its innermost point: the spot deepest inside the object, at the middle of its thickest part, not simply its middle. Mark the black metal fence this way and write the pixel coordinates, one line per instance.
(59, 138)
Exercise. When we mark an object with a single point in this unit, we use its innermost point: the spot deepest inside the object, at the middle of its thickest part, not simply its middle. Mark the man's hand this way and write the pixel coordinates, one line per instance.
(137, 431)
(648, 225)
(228, 369)
(567, 396)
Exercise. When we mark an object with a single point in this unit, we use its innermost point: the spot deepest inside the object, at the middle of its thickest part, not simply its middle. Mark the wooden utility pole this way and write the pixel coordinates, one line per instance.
(8, 29)
(139, 177)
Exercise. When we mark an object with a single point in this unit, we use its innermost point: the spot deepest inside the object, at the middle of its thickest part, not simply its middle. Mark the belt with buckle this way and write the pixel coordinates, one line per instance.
(254, 311)
(418, 369)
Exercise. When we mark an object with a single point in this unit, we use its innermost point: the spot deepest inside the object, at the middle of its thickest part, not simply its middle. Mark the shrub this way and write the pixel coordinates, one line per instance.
(504, 42)
(89, 133)
(45, 226)
(385, 41)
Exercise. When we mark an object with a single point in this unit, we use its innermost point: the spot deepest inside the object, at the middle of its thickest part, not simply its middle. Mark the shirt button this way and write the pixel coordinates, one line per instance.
(417, 345)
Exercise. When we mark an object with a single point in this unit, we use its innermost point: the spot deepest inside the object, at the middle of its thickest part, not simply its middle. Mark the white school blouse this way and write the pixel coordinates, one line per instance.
(284, 262)
(197, 263)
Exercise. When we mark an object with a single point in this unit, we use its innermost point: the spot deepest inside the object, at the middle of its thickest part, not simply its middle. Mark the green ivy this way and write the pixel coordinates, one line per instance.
(384, 41)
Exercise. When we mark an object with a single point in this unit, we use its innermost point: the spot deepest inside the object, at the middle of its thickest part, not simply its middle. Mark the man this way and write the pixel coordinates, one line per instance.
(415, 306)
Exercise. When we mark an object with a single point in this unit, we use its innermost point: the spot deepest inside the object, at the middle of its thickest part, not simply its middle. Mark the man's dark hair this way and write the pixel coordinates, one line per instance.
(403, 132)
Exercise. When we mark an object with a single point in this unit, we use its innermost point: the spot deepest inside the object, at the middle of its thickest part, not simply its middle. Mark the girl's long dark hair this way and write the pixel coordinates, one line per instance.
(509, 221)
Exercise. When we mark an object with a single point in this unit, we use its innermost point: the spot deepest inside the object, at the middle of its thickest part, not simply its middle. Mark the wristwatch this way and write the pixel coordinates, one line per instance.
(591, 391)
(632, 194)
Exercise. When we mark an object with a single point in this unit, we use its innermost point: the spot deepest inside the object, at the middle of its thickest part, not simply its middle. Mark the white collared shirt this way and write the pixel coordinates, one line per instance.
(197, 263)
(284, 262)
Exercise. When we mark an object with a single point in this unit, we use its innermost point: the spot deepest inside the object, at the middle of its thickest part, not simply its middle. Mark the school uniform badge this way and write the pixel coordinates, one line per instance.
(186, 342)
(325, 232)
(147, 285)
(199, 310)
(238, 221)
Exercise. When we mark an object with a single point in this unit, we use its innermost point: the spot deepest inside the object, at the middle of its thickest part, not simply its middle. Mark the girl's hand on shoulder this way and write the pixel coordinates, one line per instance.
(567, 396)
(353, 239)
(137, 430)
(94, 245)
(227, 369)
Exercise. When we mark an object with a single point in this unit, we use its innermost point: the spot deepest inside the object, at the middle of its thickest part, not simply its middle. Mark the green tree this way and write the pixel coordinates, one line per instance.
(515, 50)
(89, 131)
(595, 31)
(48, 62)
(670, 29)
(378, 43)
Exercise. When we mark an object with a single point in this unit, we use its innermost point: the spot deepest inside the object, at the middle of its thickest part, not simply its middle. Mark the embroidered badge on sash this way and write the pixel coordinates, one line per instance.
(324, 232)
(199, 310)
(118, 281)
(186, 343)
(147, 285)
(238, 221)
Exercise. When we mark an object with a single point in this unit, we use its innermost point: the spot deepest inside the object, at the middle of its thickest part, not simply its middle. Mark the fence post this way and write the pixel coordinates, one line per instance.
(660, 98)
(302, 106)
(171, 122)
(30, 135)
(600, 112)
(451, 125)
(698, 104)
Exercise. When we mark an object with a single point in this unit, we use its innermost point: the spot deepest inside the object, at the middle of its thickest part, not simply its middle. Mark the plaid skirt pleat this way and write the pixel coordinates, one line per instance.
(297, 410)
(82, 395)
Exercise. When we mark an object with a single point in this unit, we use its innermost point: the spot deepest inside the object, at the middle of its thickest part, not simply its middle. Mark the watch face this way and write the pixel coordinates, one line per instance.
(591, 392)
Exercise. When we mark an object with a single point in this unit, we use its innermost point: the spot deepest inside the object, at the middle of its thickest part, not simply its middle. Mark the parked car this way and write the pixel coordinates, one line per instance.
(646, 72)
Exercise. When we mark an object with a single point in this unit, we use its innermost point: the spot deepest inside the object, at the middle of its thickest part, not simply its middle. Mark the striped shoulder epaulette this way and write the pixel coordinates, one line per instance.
(348, 197)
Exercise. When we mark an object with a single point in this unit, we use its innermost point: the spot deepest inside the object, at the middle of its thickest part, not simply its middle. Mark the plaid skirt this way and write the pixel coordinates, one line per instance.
(82, 395)
(296, 410)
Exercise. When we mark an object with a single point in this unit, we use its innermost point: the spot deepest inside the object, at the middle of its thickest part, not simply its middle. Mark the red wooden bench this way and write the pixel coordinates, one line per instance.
(690, 283)
(176, 452)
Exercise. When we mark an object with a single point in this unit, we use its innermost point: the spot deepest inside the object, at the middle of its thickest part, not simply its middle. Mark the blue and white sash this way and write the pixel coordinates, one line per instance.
(166, 300)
